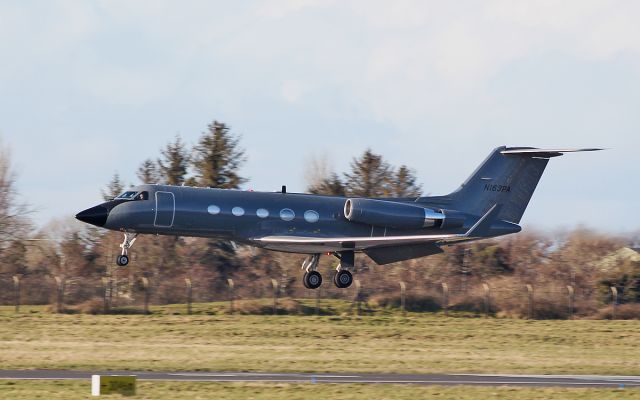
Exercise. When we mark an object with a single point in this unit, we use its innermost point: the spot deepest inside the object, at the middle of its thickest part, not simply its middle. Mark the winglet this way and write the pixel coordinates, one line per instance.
(483, 225)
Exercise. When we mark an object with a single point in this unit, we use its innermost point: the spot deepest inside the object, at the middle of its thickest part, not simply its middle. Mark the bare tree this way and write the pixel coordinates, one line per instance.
(321, 179)
(14, 222)
(114, 188)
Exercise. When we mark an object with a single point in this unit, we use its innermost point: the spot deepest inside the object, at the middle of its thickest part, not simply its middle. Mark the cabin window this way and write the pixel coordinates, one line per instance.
(237, 211)
(287, 214)
(262, 212)
(142, 196)
(311, 216)
(213, 209)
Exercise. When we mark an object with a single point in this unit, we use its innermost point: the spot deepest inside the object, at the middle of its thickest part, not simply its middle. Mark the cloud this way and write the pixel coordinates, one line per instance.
(423, 81)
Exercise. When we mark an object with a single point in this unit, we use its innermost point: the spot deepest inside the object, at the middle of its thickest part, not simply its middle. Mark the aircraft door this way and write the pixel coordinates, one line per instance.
(165, 209)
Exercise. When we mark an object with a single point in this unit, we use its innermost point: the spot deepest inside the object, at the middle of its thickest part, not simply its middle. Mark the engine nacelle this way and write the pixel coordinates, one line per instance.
(390, 214)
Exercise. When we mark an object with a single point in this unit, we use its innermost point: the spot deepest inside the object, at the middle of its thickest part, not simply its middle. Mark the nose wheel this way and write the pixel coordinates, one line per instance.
(122, 260)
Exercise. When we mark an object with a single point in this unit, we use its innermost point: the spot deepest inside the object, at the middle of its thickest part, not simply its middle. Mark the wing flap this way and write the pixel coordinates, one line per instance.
(388, 255)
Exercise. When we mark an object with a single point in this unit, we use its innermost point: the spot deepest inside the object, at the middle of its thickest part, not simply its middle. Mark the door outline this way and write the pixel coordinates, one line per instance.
(173, 209)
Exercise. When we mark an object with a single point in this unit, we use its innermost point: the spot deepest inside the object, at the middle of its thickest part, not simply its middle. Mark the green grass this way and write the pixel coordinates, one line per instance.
(70, 390)
(420, 343)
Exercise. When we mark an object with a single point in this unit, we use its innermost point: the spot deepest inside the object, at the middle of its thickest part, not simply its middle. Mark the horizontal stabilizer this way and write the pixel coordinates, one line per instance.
(546, 153)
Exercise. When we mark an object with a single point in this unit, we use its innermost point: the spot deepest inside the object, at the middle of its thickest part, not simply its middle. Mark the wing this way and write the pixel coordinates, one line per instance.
(316, 244)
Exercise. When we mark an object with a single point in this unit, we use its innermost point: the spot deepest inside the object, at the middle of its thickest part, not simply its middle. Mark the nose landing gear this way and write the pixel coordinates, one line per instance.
(123, 259)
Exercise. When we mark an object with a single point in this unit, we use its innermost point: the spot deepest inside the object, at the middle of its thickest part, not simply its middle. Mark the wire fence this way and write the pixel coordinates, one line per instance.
(104, 294)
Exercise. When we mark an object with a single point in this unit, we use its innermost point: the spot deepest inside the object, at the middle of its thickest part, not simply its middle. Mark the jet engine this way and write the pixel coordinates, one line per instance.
(390, 214)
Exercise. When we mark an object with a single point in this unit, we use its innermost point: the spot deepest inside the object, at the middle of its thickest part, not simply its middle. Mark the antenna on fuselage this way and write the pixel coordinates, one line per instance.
(284, 189)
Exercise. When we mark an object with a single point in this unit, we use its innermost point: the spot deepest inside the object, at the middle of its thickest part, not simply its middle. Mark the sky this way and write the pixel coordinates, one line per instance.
(91, 88)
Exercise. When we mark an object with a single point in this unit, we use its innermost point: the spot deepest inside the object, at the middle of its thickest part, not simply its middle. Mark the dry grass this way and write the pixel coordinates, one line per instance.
(417, 343)
(72, 390)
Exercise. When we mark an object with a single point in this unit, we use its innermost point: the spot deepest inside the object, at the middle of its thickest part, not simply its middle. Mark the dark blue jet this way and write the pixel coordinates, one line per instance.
(488, 204)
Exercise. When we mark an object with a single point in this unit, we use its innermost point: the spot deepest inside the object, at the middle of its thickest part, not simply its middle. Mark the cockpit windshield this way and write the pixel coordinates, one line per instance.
(127, 195)
(132, 195)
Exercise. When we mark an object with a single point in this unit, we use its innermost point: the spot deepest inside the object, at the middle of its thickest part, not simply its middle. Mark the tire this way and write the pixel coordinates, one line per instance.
(343, 279)
(122, 260)
(312, 280)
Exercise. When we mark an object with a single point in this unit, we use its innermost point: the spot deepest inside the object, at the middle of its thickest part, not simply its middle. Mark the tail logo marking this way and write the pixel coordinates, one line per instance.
(497, 188)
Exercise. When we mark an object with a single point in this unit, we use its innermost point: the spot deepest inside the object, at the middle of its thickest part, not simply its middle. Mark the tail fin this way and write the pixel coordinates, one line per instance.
(507, 177)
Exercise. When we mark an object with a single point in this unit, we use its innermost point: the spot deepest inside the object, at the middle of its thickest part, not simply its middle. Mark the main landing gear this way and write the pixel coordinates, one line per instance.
(311, 278)
(343, 277)
(123, 259)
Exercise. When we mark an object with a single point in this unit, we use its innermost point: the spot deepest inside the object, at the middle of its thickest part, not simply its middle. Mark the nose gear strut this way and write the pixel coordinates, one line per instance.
(129, 238)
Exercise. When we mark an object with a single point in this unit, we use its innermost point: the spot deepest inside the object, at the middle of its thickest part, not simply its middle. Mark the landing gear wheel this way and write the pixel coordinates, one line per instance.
(122, 260)
(312, 279)
(343, 279)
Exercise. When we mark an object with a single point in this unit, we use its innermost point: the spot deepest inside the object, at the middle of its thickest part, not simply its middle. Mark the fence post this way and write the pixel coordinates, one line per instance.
(530, 298)
(487, 299)
(356, 298)
(59, 293)
(230, 283)
(274, 285)
(614, 301)
(105, 300)
(16, 288)
(445, 297)
(145, 285)
(318, 300)
(571, 293)
(187, 282)
(403, 295)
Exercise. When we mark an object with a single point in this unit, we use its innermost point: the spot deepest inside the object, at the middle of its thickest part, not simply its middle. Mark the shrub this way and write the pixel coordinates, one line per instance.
(413, 302)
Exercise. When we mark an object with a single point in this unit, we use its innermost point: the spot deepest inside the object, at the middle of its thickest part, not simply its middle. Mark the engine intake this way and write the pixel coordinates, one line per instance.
(390, 214)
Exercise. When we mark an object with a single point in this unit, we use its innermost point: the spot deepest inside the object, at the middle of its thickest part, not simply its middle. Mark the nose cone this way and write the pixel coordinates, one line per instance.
(95, 215)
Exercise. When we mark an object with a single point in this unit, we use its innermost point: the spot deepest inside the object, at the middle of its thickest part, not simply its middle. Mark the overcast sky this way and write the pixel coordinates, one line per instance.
(90, 88)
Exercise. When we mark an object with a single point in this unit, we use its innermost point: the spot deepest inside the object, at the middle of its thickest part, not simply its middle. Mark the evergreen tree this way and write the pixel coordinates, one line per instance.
(218, 157)
(148, 172)
(404, 183)
(331, 185)
(113, 189)
(370, 176)
(174, 162)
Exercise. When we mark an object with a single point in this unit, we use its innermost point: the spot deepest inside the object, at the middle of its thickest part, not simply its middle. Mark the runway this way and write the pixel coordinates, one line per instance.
(415, 379)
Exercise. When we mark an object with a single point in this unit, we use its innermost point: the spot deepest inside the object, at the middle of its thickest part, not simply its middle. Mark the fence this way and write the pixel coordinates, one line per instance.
(137, 293)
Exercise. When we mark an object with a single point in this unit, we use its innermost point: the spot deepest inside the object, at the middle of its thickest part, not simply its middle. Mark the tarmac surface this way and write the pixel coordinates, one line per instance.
(415, 379)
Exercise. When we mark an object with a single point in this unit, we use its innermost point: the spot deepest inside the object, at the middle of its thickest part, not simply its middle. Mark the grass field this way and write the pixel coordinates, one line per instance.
(70, 390)
(384, 343)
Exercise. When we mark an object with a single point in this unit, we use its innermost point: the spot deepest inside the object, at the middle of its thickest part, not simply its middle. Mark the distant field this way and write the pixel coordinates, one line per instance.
(71, 390)
(421, 343)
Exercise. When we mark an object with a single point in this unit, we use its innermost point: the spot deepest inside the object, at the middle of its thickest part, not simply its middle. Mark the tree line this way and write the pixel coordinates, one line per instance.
(85, 256)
